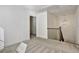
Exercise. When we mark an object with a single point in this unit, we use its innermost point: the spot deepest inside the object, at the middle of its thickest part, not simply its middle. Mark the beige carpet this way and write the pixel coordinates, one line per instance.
(39, 45)
(50, 46)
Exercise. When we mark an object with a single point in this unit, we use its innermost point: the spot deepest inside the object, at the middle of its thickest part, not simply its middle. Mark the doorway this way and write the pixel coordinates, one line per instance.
(32, 26)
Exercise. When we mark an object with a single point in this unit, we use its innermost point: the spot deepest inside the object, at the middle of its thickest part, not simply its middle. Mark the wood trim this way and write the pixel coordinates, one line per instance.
(53, 28)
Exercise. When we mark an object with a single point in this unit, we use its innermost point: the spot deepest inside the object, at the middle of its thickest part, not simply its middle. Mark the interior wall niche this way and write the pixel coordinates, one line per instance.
(52, 26)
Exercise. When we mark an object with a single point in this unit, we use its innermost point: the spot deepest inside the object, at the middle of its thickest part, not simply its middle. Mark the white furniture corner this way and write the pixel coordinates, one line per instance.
(1, 38)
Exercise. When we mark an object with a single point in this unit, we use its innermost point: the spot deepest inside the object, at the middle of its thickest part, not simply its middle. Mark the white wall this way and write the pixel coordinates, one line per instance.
(52, 20)
(77, 25)
(41, 25)
(31, 13)
(14, 20)
(66, 21)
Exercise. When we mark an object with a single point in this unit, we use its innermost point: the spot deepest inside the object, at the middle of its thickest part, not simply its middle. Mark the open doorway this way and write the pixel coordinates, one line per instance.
(32, 26)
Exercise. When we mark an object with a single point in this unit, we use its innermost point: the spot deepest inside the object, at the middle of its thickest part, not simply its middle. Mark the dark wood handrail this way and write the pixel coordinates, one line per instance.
(61, 35)
(53, 28)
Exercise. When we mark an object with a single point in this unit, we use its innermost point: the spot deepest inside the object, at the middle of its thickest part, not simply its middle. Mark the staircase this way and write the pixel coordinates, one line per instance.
(61, 35)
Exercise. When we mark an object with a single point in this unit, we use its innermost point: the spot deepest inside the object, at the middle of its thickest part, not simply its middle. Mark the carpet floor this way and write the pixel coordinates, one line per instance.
(39, 45)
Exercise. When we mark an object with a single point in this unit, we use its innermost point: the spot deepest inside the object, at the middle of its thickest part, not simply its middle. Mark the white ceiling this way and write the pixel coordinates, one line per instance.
(60, 9)
(35, 8)
(52, 8)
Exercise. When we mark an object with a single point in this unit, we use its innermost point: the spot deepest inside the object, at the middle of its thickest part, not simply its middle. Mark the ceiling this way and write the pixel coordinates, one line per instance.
(56, 9)
(36, 8)
(60, 9)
